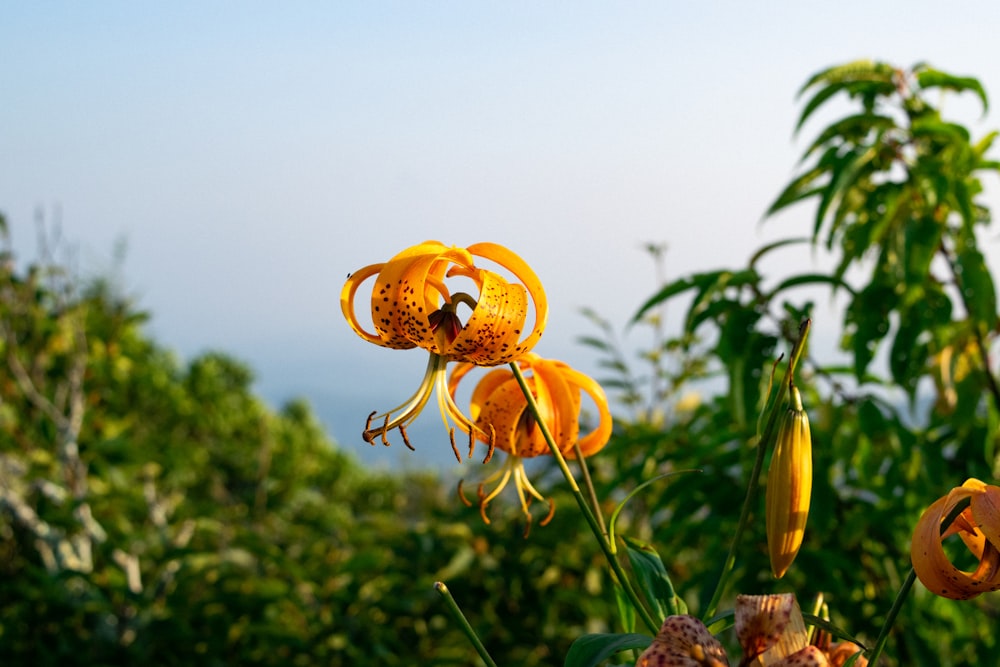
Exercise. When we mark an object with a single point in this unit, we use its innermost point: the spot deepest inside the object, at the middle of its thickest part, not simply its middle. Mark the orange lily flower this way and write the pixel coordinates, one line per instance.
(499, 406)
(978, 526)
(412, 306)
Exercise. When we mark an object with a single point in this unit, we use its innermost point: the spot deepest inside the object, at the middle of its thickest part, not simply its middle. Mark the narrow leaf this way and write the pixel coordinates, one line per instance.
(592, 650)
(932, 78)
(653, 578)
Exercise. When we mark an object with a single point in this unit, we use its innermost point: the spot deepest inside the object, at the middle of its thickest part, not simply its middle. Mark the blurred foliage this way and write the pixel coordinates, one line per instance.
(154, 510)
(897, 194)
(157, 512)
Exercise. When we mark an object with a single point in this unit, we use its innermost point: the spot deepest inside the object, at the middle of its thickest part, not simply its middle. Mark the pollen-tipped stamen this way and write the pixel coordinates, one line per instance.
(461, 494)
(493, 444)
(454, 447)
(406, 439)
(409, 410)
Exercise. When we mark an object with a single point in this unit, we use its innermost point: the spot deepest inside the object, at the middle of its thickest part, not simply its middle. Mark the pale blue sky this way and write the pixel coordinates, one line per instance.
(252, 154)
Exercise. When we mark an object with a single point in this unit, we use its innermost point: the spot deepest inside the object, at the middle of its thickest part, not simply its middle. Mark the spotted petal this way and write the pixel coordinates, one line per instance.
(412, 305)
(683, 641)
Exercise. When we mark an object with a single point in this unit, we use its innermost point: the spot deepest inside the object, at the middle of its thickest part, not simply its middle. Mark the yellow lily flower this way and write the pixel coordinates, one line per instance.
(412, 306)
(498, 406)
(979, 528)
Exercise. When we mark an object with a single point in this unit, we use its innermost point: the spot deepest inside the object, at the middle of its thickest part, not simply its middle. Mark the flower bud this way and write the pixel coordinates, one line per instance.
(789, 485)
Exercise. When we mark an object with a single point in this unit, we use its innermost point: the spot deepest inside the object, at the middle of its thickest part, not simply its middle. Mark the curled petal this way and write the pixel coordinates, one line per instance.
(498, 401)
(347, 294)
(930, 562)
(683, 641)
(490, 337)
(594, 441)
(517, 266)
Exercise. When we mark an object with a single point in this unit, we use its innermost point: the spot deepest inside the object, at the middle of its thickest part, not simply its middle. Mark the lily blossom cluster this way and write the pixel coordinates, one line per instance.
(771, 633)
(978, 526)
(416, 302)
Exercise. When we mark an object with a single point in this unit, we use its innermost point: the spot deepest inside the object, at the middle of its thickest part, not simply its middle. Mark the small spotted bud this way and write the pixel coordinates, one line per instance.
(789, 486)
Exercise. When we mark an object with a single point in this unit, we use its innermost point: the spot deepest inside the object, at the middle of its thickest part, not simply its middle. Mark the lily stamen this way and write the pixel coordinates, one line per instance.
(406, 439)
(454, 447)
(461, 494)
(493, 444)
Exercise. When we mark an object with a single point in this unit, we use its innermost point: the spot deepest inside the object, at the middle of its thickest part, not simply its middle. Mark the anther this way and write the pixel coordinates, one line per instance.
(406, 440)
(461, 494)
(472, 441)
(552, 512)
(493, 445)
(385, 429)
(367, 434)
(482, 513)
(454, 447)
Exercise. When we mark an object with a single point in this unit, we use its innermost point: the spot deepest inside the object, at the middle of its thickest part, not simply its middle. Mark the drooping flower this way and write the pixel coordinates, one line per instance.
(412, 305)
(978, 525)
(498, 406)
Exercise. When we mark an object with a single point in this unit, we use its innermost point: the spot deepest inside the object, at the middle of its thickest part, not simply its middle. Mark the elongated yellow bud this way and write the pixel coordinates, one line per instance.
(789, 486)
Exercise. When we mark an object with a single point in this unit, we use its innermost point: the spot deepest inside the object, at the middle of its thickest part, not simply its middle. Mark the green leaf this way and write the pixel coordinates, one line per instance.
(757, 256)
(802, 186)
(626, 611)
(841, 180)
(613, 520)
(868, 317)
(984, 144)
(943, 130)
(597, 343)
(812, 619)
(862, 77)
(654, 581)
(809, 279)
(852, 129)
(908, 354)
(668, 291)
(592, 650)
(932, 78)
(978, 291)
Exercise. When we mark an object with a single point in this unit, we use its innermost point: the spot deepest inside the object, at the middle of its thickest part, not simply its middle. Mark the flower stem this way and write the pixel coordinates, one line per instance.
(904, 590)
(890, 618)
(588, 514)
(595, 504)
(762, 445)
(463, 623)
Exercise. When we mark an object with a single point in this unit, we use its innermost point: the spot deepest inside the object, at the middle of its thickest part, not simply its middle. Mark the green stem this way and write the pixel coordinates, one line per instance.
(595, 527)
(890, 618)
(463, 622)
(758, 464)
(904, 590)
(588, 483)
